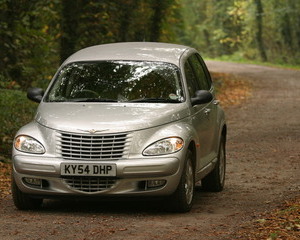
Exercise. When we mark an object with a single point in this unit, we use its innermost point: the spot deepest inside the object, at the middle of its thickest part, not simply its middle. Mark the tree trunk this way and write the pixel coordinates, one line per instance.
(127, 9)
(259, 31)
(156, 21)
(9, 52)
(159, 8)
(69, 28)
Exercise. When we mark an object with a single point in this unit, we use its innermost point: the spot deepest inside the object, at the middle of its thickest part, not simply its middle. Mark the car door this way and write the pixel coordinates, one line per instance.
(214, 106)
(204, 115)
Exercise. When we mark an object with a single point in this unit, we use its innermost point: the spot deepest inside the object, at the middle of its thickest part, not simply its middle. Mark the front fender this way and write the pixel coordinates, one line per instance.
(45, 136)
(144, 138)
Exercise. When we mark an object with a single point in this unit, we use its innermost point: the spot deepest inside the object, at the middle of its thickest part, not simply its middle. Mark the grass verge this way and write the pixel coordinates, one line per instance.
(15, 111)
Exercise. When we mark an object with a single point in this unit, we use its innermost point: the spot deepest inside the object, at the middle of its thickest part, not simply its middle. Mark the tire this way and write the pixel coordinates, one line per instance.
(215, 180)
(23, 201)
(182, 199)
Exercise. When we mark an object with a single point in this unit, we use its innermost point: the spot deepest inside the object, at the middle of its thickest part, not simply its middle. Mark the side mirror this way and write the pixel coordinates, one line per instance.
(35, 94)
(202, 96)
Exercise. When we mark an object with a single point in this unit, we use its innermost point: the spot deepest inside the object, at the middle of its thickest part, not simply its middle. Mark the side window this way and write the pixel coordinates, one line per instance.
(192, 83)
(199, 71)
(208, 78)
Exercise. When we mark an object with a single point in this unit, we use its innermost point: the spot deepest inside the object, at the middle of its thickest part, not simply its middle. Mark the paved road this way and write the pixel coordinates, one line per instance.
(263, 170)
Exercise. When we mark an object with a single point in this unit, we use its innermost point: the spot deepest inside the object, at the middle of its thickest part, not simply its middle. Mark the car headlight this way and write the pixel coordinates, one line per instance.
(164, 146)
(28, 144)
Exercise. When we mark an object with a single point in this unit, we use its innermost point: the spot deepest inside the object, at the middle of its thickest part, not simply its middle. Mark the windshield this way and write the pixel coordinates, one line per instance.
(117, 81)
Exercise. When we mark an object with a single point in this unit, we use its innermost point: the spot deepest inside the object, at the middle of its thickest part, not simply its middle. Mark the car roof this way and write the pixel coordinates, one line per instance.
(135, 51)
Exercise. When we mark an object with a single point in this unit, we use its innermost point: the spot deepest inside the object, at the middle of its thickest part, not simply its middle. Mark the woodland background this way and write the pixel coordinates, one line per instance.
(37, 35)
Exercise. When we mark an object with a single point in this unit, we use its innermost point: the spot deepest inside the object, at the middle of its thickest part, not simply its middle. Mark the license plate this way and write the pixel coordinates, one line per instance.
(88, 169)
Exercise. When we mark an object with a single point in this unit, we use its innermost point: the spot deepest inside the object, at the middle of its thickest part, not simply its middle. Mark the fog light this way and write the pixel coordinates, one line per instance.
(33, 181)
(155, 183)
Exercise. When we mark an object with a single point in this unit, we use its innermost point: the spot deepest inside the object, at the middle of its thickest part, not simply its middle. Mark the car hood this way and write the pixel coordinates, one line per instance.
(108, 117)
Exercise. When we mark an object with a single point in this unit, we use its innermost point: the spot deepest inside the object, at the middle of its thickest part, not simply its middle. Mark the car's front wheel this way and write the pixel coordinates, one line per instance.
(182, 198)
(23, 201)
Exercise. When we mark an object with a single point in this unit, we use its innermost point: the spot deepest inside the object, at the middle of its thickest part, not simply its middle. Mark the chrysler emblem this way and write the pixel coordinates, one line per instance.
(93, 131)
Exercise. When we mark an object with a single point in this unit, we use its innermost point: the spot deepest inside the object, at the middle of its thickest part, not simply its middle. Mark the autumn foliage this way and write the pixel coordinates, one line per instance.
(231, 90)
(282, 223)
(5, 170)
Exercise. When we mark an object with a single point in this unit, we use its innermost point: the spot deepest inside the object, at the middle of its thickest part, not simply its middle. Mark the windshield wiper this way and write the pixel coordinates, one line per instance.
(92, 100)
(156, 100)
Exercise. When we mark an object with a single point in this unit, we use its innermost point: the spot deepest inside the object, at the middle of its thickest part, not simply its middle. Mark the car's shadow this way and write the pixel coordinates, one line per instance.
(116, 205)
(124, 205)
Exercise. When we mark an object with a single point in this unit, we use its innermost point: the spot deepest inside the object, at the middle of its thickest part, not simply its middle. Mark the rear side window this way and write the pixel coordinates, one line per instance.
(192, 83)
(200, 73)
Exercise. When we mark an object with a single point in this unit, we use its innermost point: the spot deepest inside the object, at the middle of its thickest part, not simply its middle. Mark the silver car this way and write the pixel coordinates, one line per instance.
(123, 119)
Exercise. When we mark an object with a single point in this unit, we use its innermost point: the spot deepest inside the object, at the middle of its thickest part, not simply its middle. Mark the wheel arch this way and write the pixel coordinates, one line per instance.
(224, 132)
(192, 148)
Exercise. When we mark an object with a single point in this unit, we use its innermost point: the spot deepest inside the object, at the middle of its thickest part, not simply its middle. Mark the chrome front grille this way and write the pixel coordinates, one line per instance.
(92, 147)
(90, 184)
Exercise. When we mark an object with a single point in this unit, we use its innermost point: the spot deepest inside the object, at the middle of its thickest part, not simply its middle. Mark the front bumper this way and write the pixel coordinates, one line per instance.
(131, 177)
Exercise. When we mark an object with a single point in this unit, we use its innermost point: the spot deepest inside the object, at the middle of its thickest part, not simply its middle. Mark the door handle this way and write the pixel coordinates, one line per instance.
(216, 102)
(207, 111)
